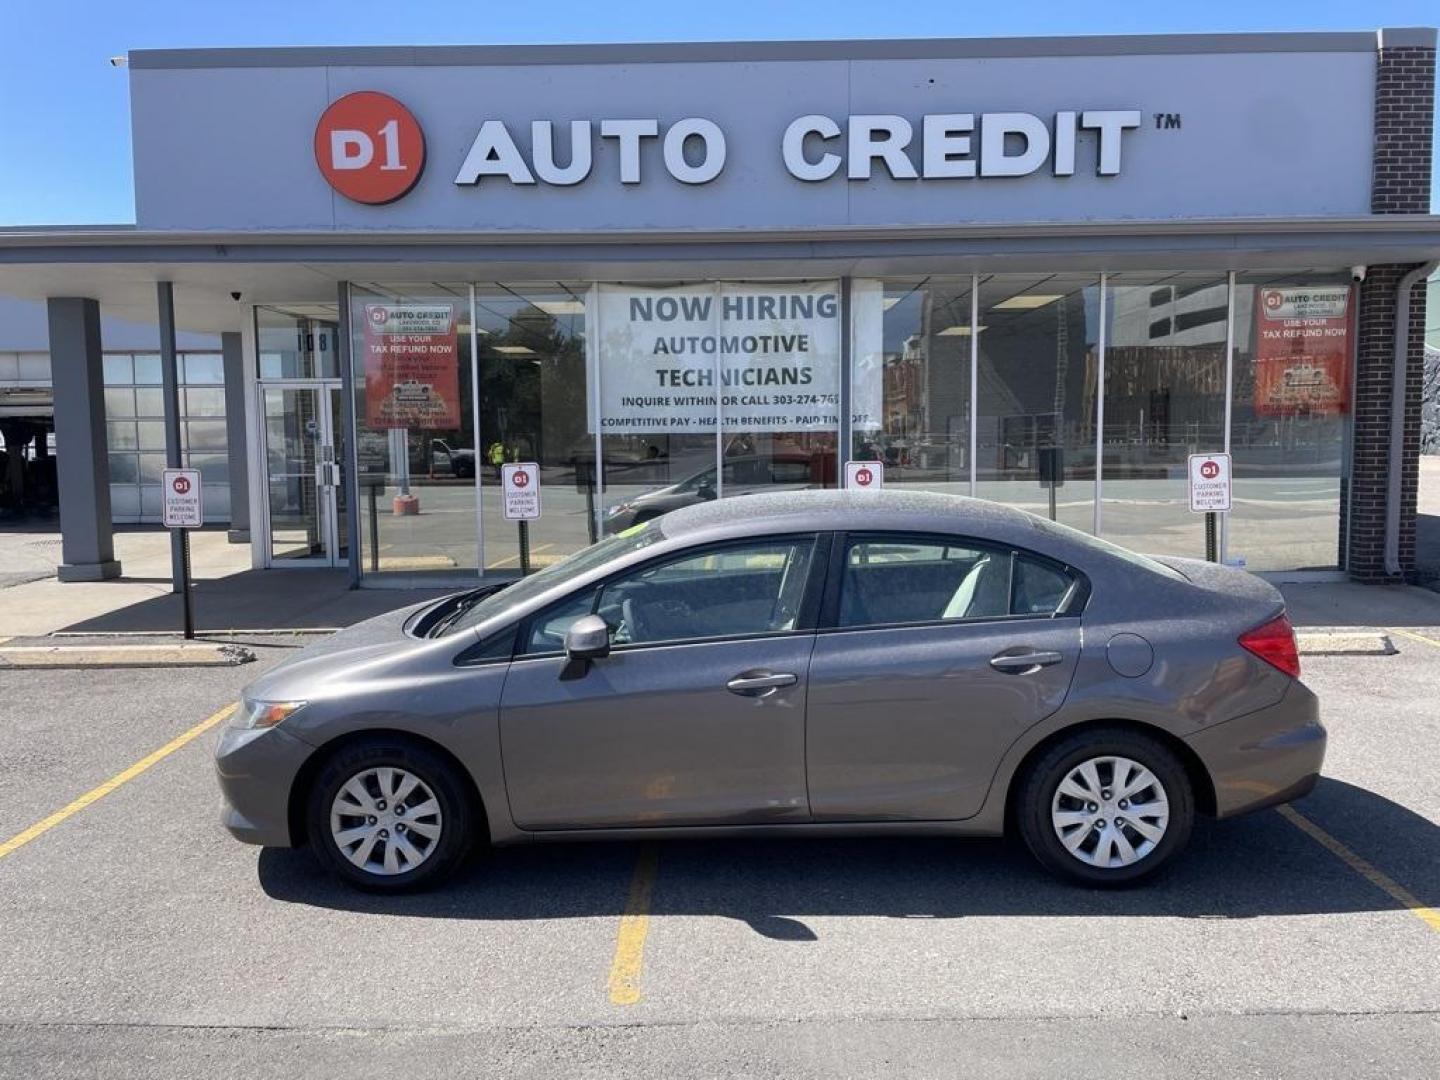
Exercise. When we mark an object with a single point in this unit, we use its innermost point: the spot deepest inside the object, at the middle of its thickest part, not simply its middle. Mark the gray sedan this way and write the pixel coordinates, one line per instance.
(808, 663)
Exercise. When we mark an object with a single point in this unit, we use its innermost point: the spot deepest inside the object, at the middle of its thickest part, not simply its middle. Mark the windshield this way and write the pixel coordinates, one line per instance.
(1132, 557)
(567, 569)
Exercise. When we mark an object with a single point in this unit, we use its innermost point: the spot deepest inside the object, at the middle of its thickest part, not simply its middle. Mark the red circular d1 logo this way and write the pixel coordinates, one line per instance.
(1209, 469)
(521, 478)
(863, 477)
(369, 147)
(181, 485)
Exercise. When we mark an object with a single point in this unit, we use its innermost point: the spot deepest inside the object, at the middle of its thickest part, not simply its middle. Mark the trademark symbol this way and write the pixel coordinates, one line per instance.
(1167, 121)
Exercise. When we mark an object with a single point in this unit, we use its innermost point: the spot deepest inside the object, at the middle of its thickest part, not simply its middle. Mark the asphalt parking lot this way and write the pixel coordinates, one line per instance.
(139, 940)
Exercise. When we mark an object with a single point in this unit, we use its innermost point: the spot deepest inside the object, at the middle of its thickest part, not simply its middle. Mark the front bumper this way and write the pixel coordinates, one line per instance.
(257, 770)
(1266, 757)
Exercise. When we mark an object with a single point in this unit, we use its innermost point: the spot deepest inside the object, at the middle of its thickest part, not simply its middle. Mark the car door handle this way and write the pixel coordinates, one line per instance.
(760, 683)
(1019, 663)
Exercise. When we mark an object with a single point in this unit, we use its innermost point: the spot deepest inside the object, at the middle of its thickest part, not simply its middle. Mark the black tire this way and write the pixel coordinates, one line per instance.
(458, 816)
(1037, 792)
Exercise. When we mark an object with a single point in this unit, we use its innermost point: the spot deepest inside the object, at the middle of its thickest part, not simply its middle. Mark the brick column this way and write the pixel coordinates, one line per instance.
(1400, 184)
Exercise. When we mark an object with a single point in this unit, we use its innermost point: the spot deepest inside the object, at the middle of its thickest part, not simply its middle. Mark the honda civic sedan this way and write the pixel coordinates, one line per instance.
(813, 663)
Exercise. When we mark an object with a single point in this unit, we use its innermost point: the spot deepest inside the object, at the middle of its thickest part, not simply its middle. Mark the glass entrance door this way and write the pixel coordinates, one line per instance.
(303, 464)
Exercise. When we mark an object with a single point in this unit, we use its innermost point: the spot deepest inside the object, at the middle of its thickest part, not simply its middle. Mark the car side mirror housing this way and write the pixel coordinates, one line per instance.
(587, 639)
(706, 492)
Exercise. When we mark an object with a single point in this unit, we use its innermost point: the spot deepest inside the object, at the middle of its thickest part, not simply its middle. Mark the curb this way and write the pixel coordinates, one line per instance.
(70, 657)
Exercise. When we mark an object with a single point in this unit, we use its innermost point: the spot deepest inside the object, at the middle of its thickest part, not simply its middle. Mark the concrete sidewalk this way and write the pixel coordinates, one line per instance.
(231, 597)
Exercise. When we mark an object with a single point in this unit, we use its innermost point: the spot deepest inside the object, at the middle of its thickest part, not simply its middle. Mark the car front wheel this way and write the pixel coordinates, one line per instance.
(389, 816)
(1106, 807)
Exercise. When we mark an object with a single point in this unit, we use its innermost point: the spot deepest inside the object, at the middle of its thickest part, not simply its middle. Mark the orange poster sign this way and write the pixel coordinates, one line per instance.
(1302, 350)
(412, 370)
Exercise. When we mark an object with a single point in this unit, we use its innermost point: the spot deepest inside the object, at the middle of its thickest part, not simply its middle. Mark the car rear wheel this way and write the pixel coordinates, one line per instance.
(1106, 807)
(389, 816)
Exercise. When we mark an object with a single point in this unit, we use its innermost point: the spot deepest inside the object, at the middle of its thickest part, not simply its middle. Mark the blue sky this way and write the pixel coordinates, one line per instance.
(65, 114)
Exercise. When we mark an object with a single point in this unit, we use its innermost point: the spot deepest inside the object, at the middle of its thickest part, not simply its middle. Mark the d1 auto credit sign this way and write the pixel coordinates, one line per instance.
(181, 506)
(520, 485)
(864, 475)
(412, 367)
(1302, 350)
(1209, 483)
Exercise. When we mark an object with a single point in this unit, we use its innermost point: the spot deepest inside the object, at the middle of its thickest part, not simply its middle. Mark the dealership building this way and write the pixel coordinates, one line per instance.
(1043, 271)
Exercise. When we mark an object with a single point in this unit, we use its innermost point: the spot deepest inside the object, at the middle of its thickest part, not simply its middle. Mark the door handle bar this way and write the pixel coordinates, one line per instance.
(1021, 662)
(760, 683)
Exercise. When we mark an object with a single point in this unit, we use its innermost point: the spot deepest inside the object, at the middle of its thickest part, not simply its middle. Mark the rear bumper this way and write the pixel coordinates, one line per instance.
(1266, 757)
(257, 770)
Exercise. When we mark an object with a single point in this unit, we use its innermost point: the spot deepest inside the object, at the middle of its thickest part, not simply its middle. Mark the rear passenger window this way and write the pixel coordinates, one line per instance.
(1038, 588)
(904, 580)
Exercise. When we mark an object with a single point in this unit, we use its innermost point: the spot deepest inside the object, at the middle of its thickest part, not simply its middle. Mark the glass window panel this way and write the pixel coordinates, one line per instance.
(1038, 366)
(125, 502)
(152, 434)
(124, 469)
(1291, 418)
(207, 402)
(418, 482)
(148, 369)
(119, 402)
(121, 436)
(911, 382)
(119, 369)
(214, 469)
(34, 367)
(294, 345)
(151, 466)
(1164, 400)
(1038, 587)
(203, 367)
(205, 435)
(149, 401)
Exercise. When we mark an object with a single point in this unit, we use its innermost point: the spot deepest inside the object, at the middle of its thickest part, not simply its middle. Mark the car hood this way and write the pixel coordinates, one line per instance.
(341, 656)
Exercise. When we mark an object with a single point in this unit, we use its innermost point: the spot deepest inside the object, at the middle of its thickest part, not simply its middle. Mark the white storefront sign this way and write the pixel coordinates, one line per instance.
(864, 475)
(520, 482)
(753, 357)
(181, 505)
(1209, 483)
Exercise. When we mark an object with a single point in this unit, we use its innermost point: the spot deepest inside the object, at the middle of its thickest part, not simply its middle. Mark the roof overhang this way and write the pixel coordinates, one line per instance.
(119, 265)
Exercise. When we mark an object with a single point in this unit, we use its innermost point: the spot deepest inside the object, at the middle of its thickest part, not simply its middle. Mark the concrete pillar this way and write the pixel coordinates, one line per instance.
(81, 461)
(236, 438)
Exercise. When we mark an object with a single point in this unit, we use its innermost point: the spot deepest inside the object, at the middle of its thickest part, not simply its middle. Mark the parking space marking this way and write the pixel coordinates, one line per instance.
(503, 562)
(1417, 637)
(629, 960)
(40, 827)
(1376, 877)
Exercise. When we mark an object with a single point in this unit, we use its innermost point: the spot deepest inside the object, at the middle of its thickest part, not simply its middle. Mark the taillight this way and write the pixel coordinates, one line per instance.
(1274, 642)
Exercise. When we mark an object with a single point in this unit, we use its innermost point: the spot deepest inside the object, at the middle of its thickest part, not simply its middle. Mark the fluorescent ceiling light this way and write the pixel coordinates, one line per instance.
(514, 350)
(1026, 302)
(958, 331)
(561, 307)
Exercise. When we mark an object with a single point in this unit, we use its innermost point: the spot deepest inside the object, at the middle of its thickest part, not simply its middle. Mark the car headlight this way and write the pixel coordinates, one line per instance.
(263, 714)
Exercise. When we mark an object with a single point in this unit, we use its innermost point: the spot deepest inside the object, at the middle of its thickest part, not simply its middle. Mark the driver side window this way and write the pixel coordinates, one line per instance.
(735, 590)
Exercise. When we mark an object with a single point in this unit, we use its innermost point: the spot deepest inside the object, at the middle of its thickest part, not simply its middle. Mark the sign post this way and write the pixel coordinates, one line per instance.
(864, 475)
(520, 501)
(182, 508)
(1050, 461)
(1210, 495)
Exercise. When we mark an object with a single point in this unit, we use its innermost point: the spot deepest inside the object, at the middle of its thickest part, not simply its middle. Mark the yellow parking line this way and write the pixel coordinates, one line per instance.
(629, 959)
(1379, 879)
(1417, 637)
(41, 827)
(498, 563)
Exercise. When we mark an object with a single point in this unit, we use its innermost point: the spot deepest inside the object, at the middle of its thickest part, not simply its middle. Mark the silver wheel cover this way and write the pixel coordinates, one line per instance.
(1110, 812)
(385, 820)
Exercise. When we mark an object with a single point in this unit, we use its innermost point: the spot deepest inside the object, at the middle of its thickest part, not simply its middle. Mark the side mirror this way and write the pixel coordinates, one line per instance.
(706, 492)
(587, 639)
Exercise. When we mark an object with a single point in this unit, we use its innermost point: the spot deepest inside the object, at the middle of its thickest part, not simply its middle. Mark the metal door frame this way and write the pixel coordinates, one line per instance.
(328, 501)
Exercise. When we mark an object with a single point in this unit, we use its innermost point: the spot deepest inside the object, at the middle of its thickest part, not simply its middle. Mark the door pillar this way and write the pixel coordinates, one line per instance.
(87, 538)
(236, 441)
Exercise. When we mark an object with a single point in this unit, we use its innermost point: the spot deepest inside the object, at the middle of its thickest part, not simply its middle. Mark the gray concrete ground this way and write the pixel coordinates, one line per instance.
(141, 941)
